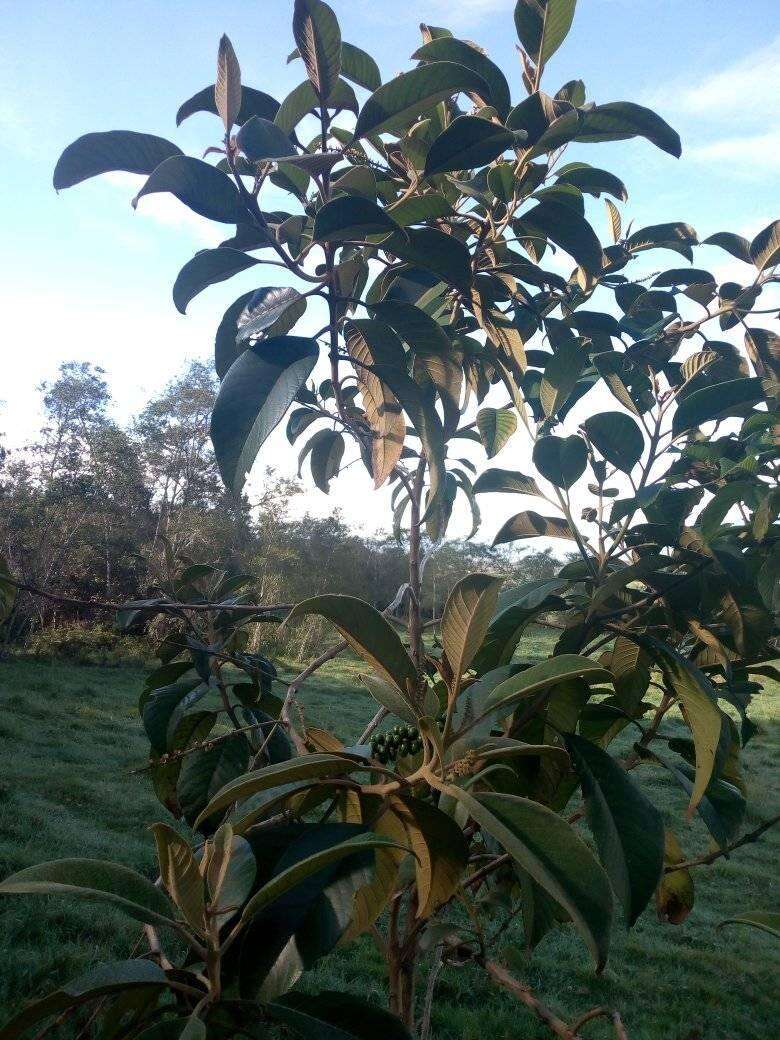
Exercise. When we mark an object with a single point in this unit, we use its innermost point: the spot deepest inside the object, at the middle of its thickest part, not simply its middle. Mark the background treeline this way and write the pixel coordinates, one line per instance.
(87, 507)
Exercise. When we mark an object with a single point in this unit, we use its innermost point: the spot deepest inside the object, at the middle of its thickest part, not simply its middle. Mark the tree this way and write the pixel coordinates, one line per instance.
(423, 227)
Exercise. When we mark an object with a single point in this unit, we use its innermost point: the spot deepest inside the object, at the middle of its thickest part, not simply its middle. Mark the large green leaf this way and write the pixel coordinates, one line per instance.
(326, 456)
(541, 676)
(270, 311)
(98, 880)
(399, 102)
(446, 48)
(764, 920)
(765, 247)
(466, 143)
(317, 34)
(560, 375)
(256, 392)
(359, 66)
(181, 875)
(495, 426)
(716, 401)
(104, 980)
(593, 181)
(699, 699)
(231, 872)
(531, 525)
(204, 189)
(567, 229)
(350, 218)
(330, 1015)
(561, 460)
(617, 437)
(304, 868)
(508, 481)
(207, 770)
(445, 255)
(367, 632)
(516, 608)
(304, 98)
(543, 25)
(467, 614)
(628, 828)
(549, 849)
(261, 139)
(125, 150)
(253, 103)
(614, 121)
(307, 767)
(208, 267)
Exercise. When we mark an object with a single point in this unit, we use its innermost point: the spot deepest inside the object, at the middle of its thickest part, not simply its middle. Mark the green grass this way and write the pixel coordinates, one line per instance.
(70, 735)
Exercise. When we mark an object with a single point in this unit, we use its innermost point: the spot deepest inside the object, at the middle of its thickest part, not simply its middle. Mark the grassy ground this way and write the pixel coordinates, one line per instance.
(69, 737)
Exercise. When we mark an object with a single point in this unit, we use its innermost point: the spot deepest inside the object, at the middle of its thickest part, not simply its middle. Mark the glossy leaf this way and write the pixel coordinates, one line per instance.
(271, 311)
(542, 676)
(204, 189)
(317, 34)
(255, 394)
(765, 247)
(208, 267)
(351, 218)
(466, 143)
(125, 150)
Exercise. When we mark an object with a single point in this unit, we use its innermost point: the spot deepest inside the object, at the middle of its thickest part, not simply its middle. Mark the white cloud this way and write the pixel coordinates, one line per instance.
(747, 88)
(166, 209)
(745, 156)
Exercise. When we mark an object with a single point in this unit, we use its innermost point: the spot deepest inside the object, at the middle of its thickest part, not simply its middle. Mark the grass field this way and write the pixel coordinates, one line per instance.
(70, 735)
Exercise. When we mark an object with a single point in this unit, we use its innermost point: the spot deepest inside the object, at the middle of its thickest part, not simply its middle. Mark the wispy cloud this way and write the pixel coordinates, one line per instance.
(166, 209)
(748, 155)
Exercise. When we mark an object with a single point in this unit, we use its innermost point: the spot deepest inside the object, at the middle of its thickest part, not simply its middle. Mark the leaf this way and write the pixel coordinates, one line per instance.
(716, 401)
(303, 99)
(466, 143)
(256, 392)
(561, 460)
(231, 872)
(304, 868)
(208, 267)
(700, 702)
(125, 150)
(560, 375)
(397, 103)
(532, 525)
(593, 181)
(467, 614)
(543, 675)
(206, 771)
(629, 830)
(764, 920)
(227, 89)
(359, 67)
(614, 121)
(615, 220)
(617, 438)
(736, 245)
(351, 218)
(181, 876)
(675, 895)
(765, 247)
(543, 25)
(550, 850)
(253, 103)
(261, 139)
(419, 208)
(383, 412)
(446, 48)
(317, 34)
(204, 189)
(95, 879)
(567, 229)
(326, 458)
(506, 481)
(367, 632)
(329, 1015)
(495, 426)
(390, 697)
(105, 979)
(270, 311)
(444, 255)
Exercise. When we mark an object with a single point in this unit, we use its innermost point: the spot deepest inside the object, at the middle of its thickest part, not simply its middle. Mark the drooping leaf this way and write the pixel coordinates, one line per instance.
(542, 676)
(560, 375)
(495, 426)
(614, 121)
(466, 143)
(765, 247)
(617, 437)
(446, 48)
(208, 267)
(255, 394)
(561, 460)
(467, 614)
(336, 1016)
(736, 245)
(531, 525)
(98, 880)
(204, 189)
(567, 229)
(629, 830)
(764, 920)
(550, 850)
(350, 218)
(367, 632)
(592, 180)
(270, 311)
(253, 103)
(125, 150)
(317, 34)
(227, 89)
(505, 480)
(261, 139)
(326, 458)
(716, 401)
(398, 102)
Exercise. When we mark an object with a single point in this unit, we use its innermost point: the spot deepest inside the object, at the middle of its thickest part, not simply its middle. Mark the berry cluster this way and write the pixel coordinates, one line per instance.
(397, 742)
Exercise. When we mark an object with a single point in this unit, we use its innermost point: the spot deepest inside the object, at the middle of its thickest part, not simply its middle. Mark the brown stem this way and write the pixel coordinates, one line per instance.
(415, 620)
(526, 996)
(711, 857)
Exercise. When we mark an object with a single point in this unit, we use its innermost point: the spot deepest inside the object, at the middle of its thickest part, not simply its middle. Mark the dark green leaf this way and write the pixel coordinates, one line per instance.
(317, 34)
(303, 99)
(330, 1015)
(206, 771)
(466, 143)
(326, 456)
(449, 49)
(616, 437)
(561, 460)
(125, 150)
(204, 189)
(253, 103)
(206, 268)
(736, 245)
(560, 375)
(765, 247)
(717, 401)
(350, 217)
(444, 255)
(568, 230)
(255, 394)
(505, 480)
(532, 525)
(261, 139)
(764, 920)
(543, 25)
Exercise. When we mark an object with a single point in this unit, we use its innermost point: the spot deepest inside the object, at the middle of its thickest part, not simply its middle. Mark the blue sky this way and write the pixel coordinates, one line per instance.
(83, 276)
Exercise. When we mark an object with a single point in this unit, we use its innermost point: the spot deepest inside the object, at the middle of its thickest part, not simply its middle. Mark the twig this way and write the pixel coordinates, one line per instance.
(711, 857)
(380, 715)
(433, 976)
(526, 995)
